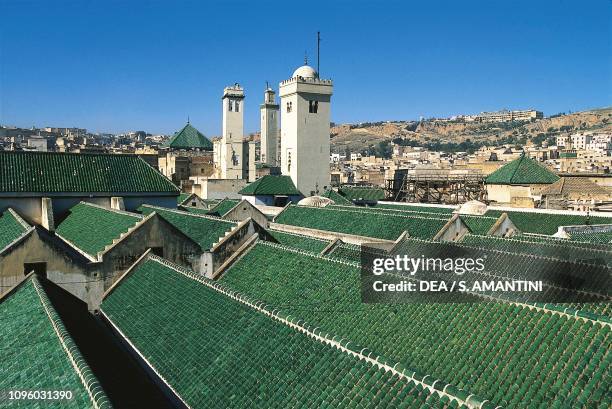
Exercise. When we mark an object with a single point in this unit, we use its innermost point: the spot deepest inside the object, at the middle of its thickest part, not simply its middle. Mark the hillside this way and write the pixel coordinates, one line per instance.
(358, 137)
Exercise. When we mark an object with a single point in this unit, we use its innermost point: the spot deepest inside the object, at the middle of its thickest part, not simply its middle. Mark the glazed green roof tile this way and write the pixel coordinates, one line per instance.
(546, 223)
(206, 231)
(194, 210)
(91, 228)
(11, 228)
(511, 355)
(411, 207)
(188, 138)
(219, 352)
(336, 197)
(49, 172)
(271, 185)
(361, 223)
(182, 197)
(522, 171)
(479, 224)
(590, 237)
(559, 249)
(223, 207)
(299, 241)
(346, 251)
(362, 193)
(38, 354)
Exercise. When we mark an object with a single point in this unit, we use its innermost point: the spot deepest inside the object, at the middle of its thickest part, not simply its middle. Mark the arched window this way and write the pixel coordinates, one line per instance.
(230, 105)
(289, 106)
(237, 106)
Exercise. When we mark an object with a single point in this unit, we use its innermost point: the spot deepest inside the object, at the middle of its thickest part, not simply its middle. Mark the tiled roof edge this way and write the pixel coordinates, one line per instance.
(94, 390)
(125, 235)
(110, 209)
(28, 229)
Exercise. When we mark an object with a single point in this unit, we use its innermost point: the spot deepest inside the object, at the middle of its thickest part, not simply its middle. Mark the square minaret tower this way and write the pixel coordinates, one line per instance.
(232, 155)
(305, 123)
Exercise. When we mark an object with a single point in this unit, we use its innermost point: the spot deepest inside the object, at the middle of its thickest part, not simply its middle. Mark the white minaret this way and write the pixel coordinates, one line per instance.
(232, 148)
(269, 129)
(305, 115)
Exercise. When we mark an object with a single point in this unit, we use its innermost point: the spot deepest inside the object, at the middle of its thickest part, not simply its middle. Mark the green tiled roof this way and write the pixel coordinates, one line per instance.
(362, 193)
(546, 223)
(271, 185)
(408, 206)
(522, 171)
(360, 222)
(49, 172)
(91, 228)
(204, 230)
(194, 210)
(189, 138)
(560, 249)
(11, 228)
(479, 224)
(591, 237)
(346, 251)
(223, 207)
(221, 352)
(299, 241)
(38, 354)
(336, 197)
(511, 355)
(182, 197)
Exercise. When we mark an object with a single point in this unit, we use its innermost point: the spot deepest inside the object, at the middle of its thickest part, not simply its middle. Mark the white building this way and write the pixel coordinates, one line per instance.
(305, 125)
(270, 141)
(233, 150)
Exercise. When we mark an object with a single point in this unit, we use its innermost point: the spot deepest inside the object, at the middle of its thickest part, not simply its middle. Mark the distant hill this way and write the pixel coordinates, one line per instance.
(359, 137)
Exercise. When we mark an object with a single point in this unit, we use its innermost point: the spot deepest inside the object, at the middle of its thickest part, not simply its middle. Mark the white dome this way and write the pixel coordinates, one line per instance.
(473, 207)
(315, 201)
(305, 71)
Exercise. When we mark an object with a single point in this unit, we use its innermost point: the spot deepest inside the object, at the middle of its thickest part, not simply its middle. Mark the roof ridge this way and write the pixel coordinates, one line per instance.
(341, 344)
(184, 213)
(297, 235)
(110, 209)
(311, 254)
(94, 390)
(19, 219)
(384, 214)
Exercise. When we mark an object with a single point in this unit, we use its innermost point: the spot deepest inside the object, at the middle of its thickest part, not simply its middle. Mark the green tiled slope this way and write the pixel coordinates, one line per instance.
(362, 193)
(216, 352)
(406, 211)
(204, 230)
(223, 207)
(336, 197)
(346, 251)
(362, 223)
(10, 229)
(602, 238)
(47, 172)
(271, 185)
(182, 197)
(32, 356)
(513, 356)
(92, 228)
(407, 206)
(299, 241)
(546, 223)
(189, 138)
(479, 224)
(562, 249)
(522, 171)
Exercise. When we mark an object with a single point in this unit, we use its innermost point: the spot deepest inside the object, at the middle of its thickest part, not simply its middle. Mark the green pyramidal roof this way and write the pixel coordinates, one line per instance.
(523, 170)
(271, 185)
(189, 138)
(38, 354)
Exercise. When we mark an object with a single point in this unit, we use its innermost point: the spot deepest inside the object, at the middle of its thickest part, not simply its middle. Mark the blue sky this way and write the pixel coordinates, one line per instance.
(147, 65)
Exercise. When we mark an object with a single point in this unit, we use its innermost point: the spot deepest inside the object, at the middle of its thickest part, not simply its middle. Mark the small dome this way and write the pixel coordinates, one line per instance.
(315, 201)
(473, 207)
(305, 71)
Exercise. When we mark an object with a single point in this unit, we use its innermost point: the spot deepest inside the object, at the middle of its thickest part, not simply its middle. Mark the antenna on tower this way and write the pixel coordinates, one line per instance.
(267, 86)
(318, 51)
(305, 58)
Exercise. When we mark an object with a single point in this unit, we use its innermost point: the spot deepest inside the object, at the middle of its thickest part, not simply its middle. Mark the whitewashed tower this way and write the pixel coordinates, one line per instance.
(269, 129)
(305, 123)
(232, 157)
